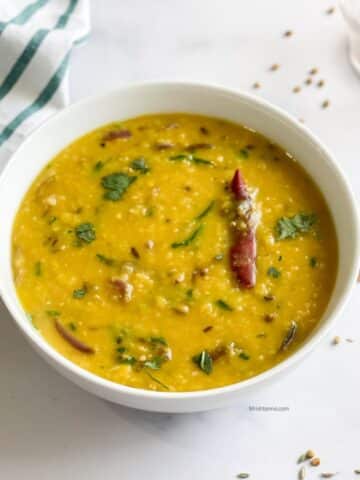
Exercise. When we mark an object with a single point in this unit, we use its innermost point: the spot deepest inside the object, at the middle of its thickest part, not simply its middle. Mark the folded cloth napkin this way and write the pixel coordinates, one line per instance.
(36, 40)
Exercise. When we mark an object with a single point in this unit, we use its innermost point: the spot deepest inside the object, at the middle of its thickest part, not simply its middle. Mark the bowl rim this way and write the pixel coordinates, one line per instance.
(56, 358)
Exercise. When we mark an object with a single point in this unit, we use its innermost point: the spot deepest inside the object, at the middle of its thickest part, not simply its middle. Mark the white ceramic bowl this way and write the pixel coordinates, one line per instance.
(131, 101)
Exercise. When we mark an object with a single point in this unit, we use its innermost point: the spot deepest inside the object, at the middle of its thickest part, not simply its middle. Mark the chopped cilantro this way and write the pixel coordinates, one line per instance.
(244, 356)
(85, 232)
(189, 293)
(51, 220)
(244, 153)
(129, 360)
(80, 292)
(188, 240)
(72, 326)
(204, 361)
(313, 262)
(53, 313)
(205, 211)
(158, 340)
(155, 363)
(273, 272)
(290, 227)
(103, 259)
(156, 380)
(38, 269)
(116, 185)
(140, 165)
(98, 166)
(190, 158)
(222, 304)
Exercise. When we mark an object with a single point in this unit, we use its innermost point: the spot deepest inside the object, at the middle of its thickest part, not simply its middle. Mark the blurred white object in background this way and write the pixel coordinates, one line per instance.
(351, 12)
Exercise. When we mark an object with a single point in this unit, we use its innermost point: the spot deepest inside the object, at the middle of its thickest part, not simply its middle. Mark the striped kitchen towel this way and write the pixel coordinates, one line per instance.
(36, 40)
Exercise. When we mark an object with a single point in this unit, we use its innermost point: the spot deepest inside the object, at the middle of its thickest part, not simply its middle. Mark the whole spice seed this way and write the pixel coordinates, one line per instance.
(296, 89)
(357, 471)
(315, 462)
(328, 474)
(310, 454)
(350, 340)
(243, 475)
(274, 67)
(325, 104)
(135, 252)
(302, 458)
(336, 340)
(330, 10)
(256, 85)
(308, 81)
(313, 71)
(288, 33)
(321, 83)
(302, 473)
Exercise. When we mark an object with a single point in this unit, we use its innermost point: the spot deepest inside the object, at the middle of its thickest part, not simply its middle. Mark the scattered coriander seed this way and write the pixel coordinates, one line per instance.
(256, 85)
(313, 71)
(288, 33)
(308, 81)
(357, 471)
(315, 462)
(310, 454)
(330, 10)
(328, 474)
(302, 473)
(274, 67)
(321, 83)
(336, 340)
(296, 89)
(325, 104)
(243, 475)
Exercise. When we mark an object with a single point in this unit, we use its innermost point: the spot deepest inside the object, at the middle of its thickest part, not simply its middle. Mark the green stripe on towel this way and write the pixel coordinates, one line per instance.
(30, 50)
(25, 14)
(45, 95)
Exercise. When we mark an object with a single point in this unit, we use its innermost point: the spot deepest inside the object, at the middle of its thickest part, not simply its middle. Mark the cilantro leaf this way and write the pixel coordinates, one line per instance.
(116, 185)
(222, 304)
(80, 292)
(85, 232)
(155, 363)
(204, 361)
(273, 272)
(188, 240)
(290, 227)
(140, 165)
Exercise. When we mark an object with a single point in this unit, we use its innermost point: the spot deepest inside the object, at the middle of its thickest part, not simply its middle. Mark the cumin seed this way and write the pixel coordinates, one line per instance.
(288, 33)
(336, 340)
(296, 89)
(325, 104)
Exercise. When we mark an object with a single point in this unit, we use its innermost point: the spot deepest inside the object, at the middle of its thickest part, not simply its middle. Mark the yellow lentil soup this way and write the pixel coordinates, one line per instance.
(129, 247)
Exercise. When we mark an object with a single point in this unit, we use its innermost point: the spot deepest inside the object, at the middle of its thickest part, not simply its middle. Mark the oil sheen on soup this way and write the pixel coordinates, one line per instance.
(174, 253)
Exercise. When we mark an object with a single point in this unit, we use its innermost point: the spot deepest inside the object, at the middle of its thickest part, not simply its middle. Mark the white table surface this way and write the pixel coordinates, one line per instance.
(49, 428)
